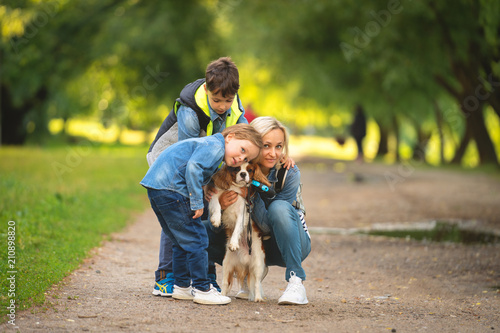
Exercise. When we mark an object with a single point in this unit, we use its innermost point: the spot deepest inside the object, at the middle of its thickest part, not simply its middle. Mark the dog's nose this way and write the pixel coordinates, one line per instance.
(243, 175)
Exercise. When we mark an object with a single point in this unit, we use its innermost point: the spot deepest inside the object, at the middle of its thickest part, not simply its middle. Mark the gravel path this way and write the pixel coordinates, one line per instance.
(355, 283)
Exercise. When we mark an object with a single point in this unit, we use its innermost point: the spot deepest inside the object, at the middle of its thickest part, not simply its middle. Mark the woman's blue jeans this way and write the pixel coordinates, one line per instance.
(189, 238)
(288, 246)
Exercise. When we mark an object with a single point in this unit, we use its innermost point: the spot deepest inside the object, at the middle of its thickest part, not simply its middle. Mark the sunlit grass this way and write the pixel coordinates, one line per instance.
(96, 132)
(322, 147)
(313, 145)
(63, 201)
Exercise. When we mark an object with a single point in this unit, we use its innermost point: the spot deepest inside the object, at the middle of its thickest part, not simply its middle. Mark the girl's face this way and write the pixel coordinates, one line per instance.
(239, 151)
(273, 149)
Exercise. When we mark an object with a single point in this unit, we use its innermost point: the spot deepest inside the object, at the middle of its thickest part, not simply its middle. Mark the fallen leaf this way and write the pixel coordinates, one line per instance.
(87, 316)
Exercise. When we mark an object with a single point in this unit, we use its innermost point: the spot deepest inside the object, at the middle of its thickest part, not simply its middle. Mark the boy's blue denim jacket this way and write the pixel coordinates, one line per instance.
(288, 193)
(186, 166)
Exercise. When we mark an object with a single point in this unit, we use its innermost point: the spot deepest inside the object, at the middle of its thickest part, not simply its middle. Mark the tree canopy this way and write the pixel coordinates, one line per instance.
(64, 58)
(432, 66)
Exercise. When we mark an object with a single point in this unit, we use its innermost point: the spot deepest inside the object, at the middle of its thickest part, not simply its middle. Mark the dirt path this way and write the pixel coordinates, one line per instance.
(355, 283)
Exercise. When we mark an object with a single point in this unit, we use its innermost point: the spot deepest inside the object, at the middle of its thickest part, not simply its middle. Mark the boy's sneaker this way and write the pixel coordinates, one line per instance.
(213, 281)
(295, 292)
(210, 297)
(183, 293)
(164, 287)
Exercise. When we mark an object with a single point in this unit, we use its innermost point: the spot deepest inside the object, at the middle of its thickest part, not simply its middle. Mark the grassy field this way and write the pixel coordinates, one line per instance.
(55, 205)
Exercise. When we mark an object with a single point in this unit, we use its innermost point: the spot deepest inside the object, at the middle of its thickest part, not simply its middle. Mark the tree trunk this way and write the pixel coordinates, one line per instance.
(439, 122)
(395, 125)
(480, 134)
(383, 147)
(420, 145)
(475, 128)
(489, 92)
(494, 102)
(64, 131)
(459, 153)
(13, 127)
(472, 101)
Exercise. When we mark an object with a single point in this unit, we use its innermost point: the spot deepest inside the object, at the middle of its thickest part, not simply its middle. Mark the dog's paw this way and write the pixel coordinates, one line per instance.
(258, 299)
(215, 220)
(233, 247)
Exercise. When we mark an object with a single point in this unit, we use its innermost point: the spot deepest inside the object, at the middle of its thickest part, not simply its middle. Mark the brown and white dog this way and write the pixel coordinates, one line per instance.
(245, 255)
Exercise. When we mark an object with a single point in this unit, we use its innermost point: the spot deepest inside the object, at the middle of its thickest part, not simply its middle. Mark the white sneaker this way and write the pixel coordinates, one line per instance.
(295, 292)
(243, 293)
(183, 293)
(210, 297)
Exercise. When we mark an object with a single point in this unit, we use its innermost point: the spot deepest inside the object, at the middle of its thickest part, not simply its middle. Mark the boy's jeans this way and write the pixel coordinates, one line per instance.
(188, 235)
(165, 253)
(165, 257)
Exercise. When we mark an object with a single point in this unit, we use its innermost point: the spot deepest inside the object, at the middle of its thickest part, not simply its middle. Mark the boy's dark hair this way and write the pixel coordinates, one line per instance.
(222, 75)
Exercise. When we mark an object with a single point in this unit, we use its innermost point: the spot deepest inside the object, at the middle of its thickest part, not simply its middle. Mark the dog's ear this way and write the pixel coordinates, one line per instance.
(259, 175)
(223, 178)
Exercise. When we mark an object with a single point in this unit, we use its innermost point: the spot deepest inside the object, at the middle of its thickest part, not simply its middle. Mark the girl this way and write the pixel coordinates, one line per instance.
(174, 183)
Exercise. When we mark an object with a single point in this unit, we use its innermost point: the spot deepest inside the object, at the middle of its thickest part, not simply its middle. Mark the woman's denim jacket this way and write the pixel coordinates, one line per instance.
(291, 192)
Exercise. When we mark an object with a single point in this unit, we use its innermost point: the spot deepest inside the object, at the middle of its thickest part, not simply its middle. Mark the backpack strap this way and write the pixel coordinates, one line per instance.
(282, 172)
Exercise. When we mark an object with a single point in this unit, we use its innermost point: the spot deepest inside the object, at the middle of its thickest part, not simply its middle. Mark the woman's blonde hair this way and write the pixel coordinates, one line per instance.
(264, 125)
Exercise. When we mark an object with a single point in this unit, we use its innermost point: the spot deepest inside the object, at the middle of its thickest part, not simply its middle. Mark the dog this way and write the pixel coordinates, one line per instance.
(245, 257)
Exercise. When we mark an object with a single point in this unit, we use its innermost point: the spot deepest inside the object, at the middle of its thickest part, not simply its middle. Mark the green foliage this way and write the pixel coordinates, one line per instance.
(116, 59)
(64, 201)
(123, 62)
(396, 58)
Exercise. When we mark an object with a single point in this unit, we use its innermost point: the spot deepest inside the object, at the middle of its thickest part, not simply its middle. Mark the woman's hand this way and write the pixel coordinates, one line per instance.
(289, 163)
(229, 197)
(209, 191)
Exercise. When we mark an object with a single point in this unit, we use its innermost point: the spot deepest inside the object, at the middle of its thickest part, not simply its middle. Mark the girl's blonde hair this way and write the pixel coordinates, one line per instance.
(244, 132)
(264, 125)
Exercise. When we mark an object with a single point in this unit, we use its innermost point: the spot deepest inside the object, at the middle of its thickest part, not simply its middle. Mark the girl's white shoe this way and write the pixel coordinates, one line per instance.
(210, 297)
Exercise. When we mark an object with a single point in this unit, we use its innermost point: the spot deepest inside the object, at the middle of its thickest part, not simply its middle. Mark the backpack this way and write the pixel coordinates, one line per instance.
(282, 172)
(281, 175)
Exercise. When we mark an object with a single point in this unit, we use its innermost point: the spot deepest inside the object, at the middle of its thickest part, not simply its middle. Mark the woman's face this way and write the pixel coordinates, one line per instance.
(274, 142)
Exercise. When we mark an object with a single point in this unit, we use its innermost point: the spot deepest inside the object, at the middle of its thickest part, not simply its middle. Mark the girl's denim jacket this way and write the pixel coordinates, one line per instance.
(186, 166)
(291, 193)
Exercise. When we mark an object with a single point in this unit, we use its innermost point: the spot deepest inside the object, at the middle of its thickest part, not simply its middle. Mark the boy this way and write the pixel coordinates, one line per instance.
(205, 107)
(174, 183)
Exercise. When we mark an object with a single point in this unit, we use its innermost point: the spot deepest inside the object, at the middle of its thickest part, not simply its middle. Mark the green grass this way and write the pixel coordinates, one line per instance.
(64, 202)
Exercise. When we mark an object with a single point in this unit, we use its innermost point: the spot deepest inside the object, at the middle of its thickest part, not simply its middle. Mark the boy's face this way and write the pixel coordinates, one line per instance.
(239, 151)
(218, 103)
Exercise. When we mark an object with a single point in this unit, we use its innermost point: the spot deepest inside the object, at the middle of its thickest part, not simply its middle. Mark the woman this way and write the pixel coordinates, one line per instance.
(281, 218)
